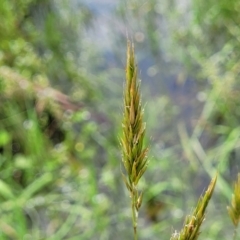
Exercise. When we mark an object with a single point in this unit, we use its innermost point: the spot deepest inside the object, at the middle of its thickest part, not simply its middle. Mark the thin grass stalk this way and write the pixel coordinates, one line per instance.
(191, 228)
(134, 155)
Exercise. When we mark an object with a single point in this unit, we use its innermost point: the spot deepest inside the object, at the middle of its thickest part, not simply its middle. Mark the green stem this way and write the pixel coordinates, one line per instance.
(134, 214)
(235, 233)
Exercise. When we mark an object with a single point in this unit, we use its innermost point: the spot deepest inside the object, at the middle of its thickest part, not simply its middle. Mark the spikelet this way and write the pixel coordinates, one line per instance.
(191, 228)
(234, 209)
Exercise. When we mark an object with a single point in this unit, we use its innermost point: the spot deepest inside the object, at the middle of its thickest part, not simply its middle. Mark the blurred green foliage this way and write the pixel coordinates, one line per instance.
(45, 142)
(212, 45)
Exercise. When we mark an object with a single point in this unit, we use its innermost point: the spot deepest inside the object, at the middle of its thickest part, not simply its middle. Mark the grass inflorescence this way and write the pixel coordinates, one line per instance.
(191, 228)
(134, 155)
(234, 209)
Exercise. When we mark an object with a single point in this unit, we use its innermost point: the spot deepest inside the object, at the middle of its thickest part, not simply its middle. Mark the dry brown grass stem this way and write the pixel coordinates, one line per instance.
(191, 228)
(134, 155)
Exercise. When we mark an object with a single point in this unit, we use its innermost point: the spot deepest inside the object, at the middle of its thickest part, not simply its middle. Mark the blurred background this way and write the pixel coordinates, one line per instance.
(62, 67)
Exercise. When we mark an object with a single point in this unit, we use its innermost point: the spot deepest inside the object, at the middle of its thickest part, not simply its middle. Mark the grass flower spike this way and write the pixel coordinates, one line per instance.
(234, 210)
(191, 229)
(134, 155)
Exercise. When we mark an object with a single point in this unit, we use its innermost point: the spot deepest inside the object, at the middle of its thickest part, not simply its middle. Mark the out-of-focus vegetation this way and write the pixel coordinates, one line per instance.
(61, 77)
(51, 146)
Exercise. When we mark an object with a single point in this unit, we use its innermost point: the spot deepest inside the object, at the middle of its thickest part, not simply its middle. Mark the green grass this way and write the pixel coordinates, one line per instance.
(60, 171)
